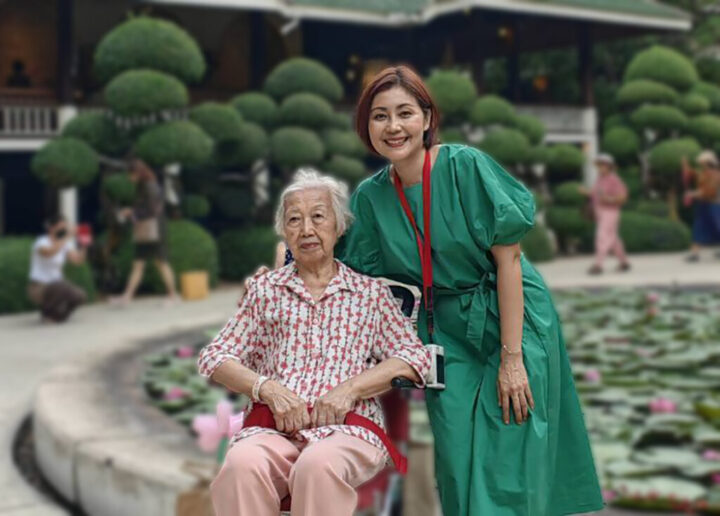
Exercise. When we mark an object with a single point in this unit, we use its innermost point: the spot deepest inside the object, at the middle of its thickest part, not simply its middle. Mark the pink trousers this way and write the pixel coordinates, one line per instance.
(259, 471)
(607, 237)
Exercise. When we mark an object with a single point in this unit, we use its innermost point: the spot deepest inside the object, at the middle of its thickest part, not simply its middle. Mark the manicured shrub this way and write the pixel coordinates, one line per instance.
(452, 135)
(175, 142)
(453, 92)
(693, 104)
(507, 146)
(622, 142)
(300, 74)
(568, 194)
(345, 143)
(65, 162)
(664, 65)
(257, 107)
(643, 91)
(492, 110)
(145, 92)
(349, 170)
(530, 127)
(293, 147)
(306, 110)
(145, 42)
(252, 145)
(537, 245)
(648, 233)
(658, 117)
(100, 132)
(242, 251)
(219, 121)
(565, 161)
(119, 188)
(665, 157)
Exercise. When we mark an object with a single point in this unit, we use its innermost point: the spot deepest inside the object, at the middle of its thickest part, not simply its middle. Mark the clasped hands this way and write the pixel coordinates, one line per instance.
(292, 414)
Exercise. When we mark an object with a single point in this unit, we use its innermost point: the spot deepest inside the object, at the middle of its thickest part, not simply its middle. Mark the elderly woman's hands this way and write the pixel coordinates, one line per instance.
(513, 388)
(332, 407)
(289, 410)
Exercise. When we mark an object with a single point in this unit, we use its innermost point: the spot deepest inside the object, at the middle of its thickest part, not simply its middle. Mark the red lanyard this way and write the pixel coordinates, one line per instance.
(423, 246)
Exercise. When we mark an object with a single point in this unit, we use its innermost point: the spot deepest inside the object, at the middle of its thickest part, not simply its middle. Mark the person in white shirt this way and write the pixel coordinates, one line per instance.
(56, 297)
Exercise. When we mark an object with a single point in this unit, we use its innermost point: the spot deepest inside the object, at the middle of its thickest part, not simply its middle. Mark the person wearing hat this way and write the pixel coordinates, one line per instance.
(706, 200)
(607, 196)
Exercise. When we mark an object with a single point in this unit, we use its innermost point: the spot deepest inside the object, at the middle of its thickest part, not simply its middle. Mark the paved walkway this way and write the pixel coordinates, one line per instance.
(30, 350)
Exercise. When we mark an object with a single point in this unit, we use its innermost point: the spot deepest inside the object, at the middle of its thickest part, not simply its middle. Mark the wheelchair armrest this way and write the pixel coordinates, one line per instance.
(436, 376)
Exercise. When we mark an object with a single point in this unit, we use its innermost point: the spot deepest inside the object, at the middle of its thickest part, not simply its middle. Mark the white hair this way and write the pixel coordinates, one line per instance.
(307, 178)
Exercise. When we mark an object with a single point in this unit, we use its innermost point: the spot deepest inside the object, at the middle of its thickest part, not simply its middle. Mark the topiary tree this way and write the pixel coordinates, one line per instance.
(65, 162)
(453, 93)
(303, 75)
(662, 101)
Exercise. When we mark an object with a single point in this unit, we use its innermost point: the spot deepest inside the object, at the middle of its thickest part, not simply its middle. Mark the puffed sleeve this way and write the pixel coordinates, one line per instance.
(498, 208)
(396, 337)
(359, 246)
(238, 340)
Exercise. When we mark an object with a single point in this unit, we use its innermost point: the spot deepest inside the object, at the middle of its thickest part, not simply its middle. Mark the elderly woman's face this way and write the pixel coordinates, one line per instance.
(310, 225)
(396, 124)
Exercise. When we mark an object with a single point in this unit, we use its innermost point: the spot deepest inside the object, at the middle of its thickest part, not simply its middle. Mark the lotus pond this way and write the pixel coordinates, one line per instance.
(647, 368)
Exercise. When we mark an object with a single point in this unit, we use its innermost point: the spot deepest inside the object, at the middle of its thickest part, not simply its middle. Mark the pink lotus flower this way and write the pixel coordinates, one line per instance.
(663, 406)
(593, 376)
(716, 479)
(175, 393)
(711, 455)
(652, 297)
(211, 428)
(608, 495)
(185, 352)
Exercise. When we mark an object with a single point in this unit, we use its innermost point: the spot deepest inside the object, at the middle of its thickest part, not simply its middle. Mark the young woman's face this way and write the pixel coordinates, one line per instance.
(397, 124)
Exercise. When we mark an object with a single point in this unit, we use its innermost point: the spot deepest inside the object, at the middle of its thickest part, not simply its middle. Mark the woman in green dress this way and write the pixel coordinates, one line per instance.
(509, 432)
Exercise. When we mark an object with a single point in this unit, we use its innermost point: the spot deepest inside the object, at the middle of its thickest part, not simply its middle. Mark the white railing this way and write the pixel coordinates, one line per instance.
(28, 121)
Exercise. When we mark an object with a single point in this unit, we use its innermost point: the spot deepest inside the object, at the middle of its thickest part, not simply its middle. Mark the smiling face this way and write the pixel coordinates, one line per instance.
(310, 226)
(397, 124)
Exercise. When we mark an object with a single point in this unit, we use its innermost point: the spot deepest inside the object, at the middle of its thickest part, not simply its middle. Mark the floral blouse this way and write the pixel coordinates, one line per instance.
(309, 346)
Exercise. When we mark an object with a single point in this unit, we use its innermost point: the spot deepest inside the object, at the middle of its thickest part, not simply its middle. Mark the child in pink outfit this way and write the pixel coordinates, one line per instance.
(607, 195)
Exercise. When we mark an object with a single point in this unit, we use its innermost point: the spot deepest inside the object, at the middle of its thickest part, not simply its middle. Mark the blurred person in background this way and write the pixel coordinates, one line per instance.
(607, 196)
(56, 297)
(149, 234)
(508, 430)
(705, 198)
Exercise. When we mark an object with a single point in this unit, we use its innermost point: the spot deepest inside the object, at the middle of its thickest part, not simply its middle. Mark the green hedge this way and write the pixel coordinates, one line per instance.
(15, 253)
(348, 169)
(453, 135)
(242, 251)
(190, 247)
(119, 188)
(294, 147)
(306, 110)
(175, 142)
(219, 121)
(507, 146)
(98, 131)
(658, 117)
(652, 208)
(643, 91)
(530, 127)
(665, 157)
(252, 145)
(648, 233)
(706, 128)
(569, 224)
(664, 65)
(300, 74)
(145, 92)
(537, 245)
(492, 110)
(234, 200)
(146, 42)
(622, 142)
(257, 107)
(345, 143)
(693, 104)
(710, 92)
(565, 161)
(568, 194)
(65, 162)
(453, 92)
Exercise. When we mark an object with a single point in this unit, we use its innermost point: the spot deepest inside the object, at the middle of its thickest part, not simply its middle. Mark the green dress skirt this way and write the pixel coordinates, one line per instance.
(483, 467)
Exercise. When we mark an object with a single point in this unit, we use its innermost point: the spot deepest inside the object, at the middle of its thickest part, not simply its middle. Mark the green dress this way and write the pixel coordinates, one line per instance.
(483, 467)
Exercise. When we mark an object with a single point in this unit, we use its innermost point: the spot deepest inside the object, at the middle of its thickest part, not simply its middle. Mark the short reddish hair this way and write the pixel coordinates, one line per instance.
(408, 79)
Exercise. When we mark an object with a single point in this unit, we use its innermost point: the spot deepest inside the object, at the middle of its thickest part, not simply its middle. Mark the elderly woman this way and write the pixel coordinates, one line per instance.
(313, 344)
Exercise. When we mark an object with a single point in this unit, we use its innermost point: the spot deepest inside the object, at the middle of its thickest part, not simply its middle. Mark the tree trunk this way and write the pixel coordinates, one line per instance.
(672, 204)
